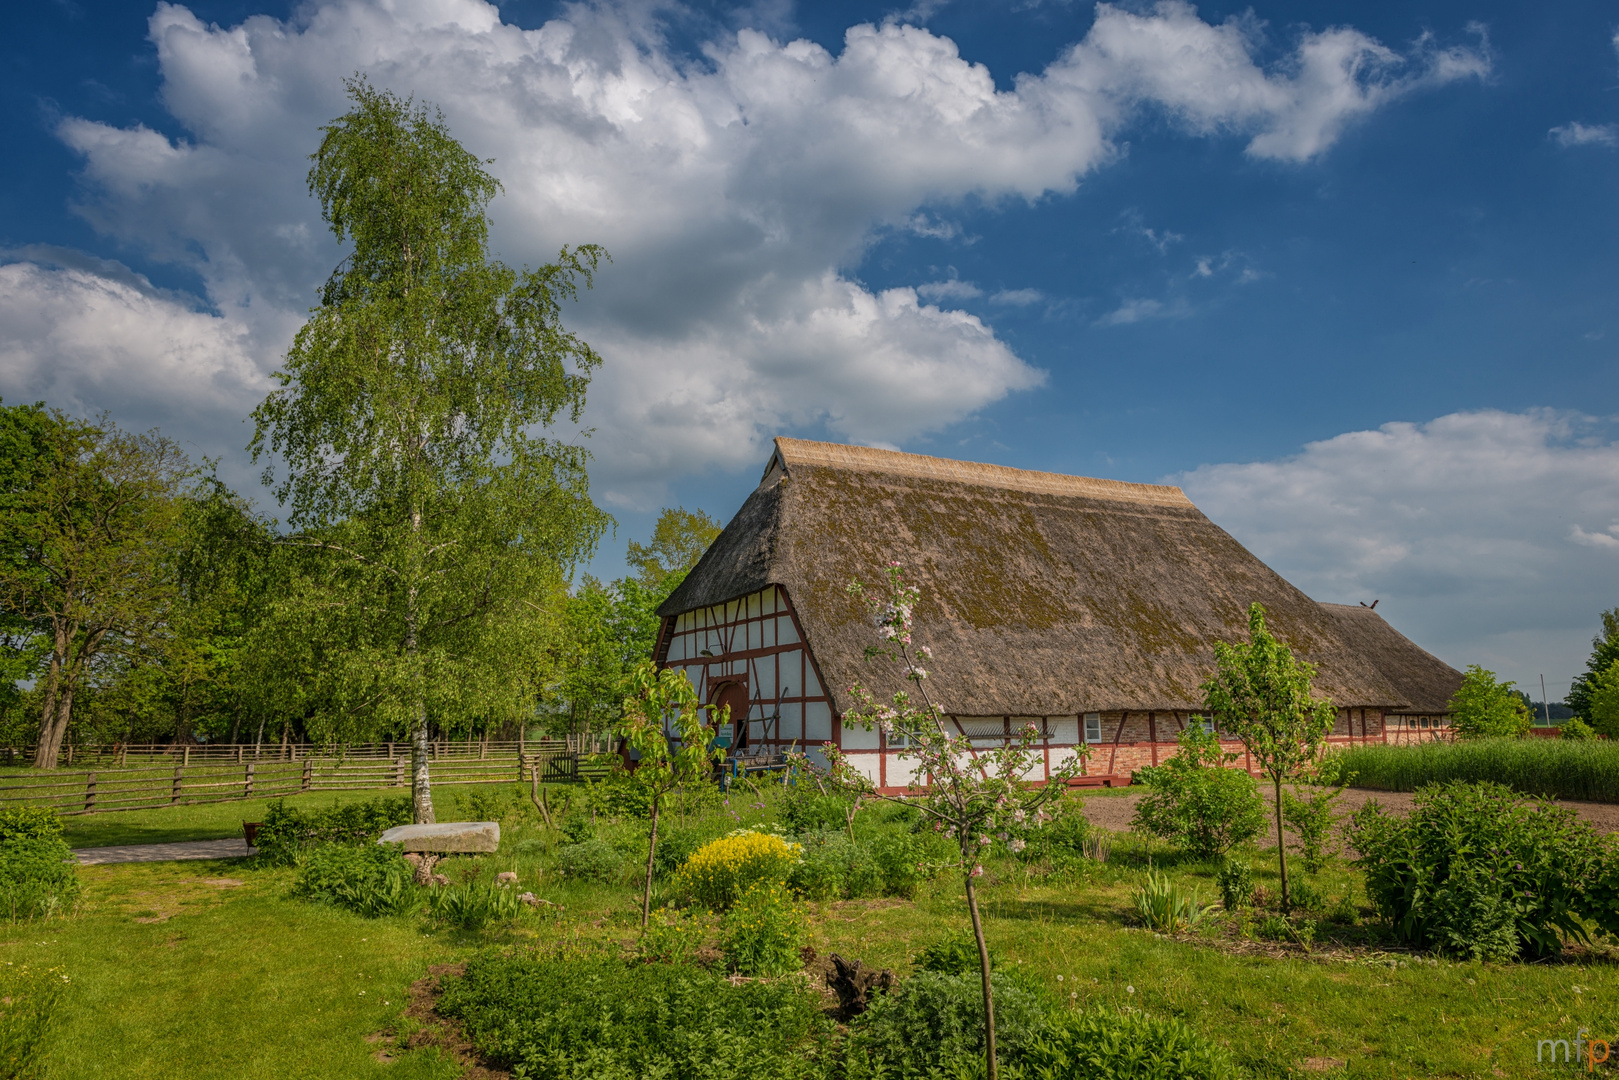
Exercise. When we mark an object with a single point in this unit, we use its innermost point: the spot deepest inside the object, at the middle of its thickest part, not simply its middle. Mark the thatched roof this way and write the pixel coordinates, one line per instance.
(1426, 681)
(1042, 594)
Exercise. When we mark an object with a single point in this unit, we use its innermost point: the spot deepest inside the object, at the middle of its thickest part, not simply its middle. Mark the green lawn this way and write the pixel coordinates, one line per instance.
(176, 972)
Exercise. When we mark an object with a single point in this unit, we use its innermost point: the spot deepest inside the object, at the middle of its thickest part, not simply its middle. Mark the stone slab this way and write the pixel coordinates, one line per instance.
(446, 836)
(188, 849)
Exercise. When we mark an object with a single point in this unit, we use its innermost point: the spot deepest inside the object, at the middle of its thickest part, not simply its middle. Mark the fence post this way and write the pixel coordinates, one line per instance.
(519, 766)
(309, 772)
(186, 760)
(179, 774)
(90, 792)
(247, 782)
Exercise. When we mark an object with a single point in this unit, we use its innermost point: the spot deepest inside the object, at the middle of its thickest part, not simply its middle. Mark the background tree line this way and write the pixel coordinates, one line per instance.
(144, 601)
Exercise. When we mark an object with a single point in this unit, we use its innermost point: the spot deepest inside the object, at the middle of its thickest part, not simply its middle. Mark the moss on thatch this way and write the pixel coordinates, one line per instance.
(1042, 594)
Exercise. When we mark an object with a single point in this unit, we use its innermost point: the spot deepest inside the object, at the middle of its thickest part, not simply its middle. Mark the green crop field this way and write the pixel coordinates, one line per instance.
(212, 969)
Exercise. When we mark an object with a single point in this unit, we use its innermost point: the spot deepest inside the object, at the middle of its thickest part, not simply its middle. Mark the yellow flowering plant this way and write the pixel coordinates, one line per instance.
(721, 871)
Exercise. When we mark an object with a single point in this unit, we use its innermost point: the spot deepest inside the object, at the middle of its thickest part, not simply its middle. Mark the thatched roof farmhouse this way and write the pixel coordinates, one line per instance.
(1088, 606)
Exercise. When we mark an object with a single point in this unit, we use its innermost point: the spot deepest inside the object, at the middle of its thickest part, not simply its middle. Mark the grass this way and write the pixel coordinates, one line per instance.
(176, 972)
(1556, 768)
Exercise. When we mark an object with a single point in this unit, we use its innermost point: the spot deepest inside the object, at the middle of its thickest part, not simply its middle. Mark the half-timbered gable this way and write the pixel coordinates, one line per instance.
(1087, 607)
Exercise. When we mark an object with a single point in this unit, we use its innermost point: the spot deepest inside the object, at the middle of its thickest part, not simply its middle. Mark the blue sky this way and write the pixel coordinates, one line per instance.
(1344, 271)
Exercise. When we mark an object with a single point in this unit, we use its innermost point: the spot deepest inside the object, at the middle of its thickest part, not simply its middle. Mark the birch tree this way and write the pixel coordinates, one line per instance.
(433, 513)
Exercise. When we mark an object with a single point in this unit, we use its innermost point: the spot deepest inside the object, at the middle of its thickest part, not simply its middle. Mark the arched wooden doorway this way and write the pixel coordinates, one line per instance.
(734, 693)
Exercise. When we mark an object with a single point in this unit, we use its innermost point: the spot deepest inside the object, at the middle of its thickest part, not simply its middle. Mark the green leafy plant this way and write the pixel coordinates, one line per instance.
(38, 877)
(1193, 799)
(573, 1015)
(288, 832)
(932, 1024)
(474, 905)
(372, 880)
(1103, 1045)
(671, 937)
(1166, 907)
(1585, 769)
(30, 1006)
(1235, 881)
(1479, 872)
(593, 860)
(764, 931)
(954, 954)
(1312, 820)
(1575, 728)
(1308, 898)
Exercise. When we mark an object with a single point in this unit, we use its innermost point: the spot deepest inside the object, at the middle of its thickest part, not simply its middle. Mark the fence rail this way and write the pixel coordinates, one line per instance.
(184, 783)
(120, 754)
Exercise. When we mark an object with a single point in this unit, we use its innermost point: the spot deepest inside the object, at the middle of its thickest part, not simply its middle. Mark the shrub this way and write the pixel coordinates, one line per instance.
(288, 832)
(834, 868)
(1575, 728)
(577, 828)
(907, 860)
(1125, 1046)
(670, 937)
(933, 1024)
(807, 810)
(1061, 841)
(1482, 708)
(954, 954)
(593, 860)
(491, 802)
(763, 932)
(474, 905)
(1166, 907)
(1478, 872)
(1194, 800)
(37, 872)
(1555, 768)
(1236, 883)
(570, 1016)
(675, 847)
(719, 872)
(30, 1005)
(1312, 821)
(372, 880)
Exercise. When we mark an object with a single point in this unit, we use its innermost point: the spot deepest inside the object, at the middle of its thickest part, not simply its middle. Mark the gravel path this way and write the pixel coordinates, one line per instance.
(1115, 811)
(189, 849)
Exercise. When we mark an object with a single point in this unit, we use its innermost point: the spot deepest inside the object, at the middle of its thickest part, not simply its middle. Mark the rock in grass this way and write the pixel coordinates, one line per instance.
(446, 836)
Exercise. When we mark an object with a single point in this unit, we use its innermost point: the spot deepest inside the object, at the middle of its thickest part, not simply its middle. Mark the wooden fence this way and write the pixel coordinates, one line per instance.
(120, 754)
(199, 780)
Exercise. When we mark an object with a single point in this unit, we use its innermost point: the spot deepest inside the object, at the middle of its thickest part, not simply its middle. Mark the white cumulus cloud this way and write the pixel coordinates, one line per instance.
(735, 194)
(1578, 134)
(1464, 526)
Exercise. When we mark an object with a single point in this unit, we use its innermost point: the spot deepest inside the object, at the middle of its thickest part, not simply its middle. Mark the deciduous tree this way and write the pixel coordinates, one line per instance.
(1482, 708)
(405, 425)
(1604, 653)
(89, 525)
(667, 727)
(678, 540)
(1261, 695)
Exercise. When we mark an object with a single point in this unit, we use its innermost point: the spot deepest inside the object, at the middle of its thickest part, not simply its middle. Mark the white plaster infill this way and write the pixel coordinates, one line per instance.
(446, 837)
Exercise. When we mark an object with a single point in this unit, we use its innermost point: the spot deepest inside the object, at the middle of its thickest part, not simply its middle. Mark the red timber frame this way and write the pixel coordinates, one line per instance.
(756, 641)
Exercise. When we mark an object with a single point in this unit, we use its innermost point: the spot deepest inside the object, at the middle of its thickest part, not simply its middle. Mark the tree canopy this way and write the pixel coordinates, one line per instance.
(1604, 653)
(1483, 708)
(436, 525)
(678, 541)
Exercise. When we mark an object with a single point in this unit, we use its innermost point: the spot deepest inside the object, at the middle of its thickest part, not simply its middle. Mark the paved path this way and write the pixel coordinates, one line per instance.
(190, 849)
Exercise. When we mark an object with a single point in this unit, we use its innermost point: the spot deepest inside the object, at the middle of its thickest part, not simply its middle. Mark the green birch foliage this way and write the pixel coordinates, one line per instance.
(437, 525)
(1604, 654)
(1261, 695)
(1603, 707)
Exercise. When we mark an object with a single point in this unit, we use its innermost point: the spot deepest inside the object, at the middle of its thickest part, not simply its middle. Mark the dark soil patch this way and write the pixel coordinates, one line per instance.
(431, 1029)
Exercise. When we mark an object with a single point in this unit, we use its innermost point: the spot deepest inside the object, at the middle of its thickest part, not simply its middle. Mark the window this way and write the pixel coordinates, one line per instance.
(1093, 727)
(1207, 722)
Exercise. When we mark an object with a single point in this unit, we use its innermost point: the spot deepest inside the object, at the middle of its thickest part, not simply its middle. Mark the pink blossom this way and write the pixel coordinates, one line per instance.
(978, 871)
(1017, 845)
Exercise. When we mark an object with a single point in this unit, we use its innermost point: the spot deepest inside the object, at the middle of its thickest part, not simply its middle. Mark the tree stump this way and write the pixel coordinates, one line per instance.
(854, 983)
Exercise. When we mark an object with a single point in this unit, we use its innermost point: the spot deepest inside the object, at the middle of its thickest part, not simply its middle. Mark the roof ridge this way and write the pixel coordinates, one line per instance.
(870, 459)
